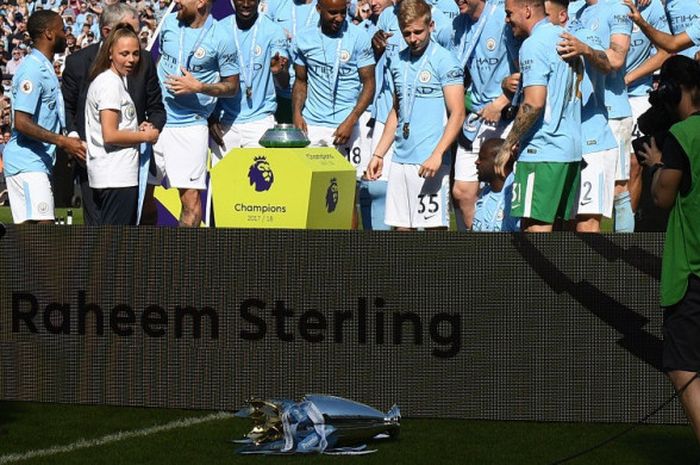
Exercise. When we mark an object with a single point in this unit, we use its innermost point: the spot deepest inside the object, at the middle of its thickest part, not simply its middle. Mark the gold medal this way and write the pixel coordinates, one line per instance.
(249, 93)
(406, 130)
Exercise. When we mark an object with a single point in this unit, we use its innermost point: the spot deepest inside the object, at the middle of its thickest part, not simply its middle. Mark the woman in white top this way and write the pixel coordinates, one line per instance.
(112, 130)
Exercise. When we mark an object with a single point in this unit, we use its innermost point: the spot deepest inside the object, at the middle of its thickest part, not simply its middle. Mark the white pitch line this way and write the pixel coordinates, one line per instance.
(110, 438)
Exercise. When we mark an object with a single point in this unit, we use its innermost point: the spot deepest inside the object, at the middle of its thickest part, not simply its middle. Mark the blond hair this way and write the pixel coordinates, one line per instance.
(412, 10)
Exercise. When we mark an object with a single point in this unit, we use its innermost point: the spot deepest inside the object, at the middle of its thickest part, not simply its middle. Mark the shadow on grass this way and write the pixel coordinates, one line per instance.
(9, 411)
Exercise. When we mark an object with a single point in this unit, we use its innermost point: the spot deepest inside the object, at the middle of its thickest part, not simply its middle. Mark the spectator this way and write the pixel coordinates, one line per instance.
(363, 11)
(17, 58)
(492, 212)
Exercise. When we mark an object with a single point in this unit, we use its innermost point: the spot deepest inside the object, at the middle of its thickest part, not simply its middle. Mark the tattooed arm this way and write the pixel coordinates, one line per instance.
(617, 52)
(571, 47)
(530, 111)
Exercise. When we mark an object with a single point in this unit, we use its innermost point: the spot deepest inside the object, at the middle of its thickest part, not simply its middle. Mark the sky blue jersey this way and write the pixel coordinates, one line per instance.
(35, 90)
(641, 48)
(494, 55)
(682, 14)
(209, 53)
(418, 84)
(492, 212)
(256, 47)
(596, 134)
(389, 22)
(332, 64)
(556, 135)
(447, 7)
(606, 18)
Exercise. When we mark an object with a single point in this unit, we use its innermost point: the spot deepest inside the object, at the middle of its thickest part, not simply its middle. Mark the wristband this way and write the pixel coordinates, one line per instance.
(375, 155)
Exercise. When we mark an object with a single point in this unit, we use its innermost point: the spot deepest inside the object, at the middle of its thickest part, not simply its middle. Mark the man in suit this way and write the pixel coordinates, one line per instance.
(143, 87)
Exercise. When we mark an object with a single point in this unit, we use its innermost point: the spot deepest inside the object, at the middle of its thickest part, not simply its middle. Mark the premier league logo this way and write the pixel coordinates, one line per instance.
(332, 195)
(260, 174)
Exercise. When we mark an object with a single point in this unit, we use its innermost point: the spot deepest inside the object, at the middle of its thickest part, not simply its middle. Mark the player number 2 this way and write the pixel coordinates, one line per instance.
(432, 206)
(353, 155)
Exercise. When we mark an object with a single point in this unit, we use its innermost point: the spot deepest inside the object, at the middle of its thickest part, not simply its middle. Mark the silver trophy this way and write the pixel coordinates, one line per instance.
(284, 136)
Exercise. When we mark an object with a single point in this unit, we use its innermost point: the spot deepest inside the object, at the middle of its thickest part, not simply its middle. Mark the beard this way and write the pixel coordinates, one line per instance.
(60, 45)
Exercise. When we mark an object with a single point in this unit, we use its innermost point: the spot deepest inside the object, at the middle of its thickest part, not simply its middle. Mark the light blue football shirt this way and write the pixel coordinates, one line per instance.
(596, 134)
(332, 65)
(447, 7)
(292, 17)
(682, 15)
(492, 213)
(422, 78)
(389, 22)
(606, 18)
(35, 90)
(256, 47)
(556, 135)
(494, 56)
(214, 57)
(641, 48)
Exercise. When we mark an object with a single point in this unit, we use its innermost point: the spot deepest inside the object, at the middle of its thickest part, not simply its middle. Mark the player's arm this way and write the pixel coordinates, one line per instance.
(26, 125)
(661, 40)
(647, 67)
(344, 130)
(454, 101)
(299, 96)
(534, 99)
(376, 163)
(279, 67)
(571, 47)
(188, 84)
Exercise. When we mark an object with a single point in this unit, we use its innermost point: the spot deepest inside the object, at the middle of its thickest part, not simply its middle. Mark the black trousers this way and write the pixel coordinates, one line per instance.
(116, 206)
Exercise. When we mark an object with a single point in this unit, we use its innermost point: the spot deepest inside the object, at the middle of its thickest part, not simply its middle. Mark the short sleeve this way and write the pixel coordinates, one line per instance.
(26, 88)
(449, 71)
(658, 18)
(108, 93)
(693, 32)
(620, 22)
(280, 43)
(228, 57)
(297, 53)
(534, 66)
(363, 49)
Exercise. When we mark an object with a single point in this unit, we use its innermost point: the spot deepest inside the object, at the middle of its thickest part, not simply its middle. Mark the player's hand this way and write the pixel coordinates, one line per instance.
(643, 3)
(342, 133)
(634, 13)
(570, 47)
(300, 123)
(74, 147)
(379, 40)
(650, 153)
(150, 134)
(505, 154)
(216, 132)
(183, 85)
(491, 113)
(374, 168)
(278, 63)
(511, 83)
(430, 167)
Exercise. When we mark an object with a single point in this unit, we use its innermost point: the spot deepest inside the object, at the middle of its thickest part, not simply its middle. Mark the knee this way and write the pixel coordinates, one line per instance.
(465, 191)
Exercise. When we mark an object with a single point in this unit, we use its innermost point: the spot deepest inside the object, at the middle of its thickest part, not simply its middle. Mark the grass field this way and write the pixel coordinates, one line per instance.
(29, 428)
(6, 215)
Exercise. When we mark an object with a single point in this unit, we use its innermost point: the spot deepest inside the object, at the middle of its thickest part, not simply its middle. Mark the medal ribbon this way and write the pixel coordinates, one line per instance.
(202, 33)
(466, 52)
(246, 71)
(409, 99)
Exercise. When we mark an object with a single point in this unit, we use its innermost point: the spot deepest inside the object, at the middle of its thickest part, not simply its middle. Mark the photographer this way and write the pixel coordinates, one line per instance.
(675, 173)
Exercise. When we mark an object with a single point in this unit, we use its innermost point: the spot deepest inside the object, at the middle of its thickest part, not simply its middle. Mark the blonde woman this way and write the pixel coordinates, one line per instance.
(112, 130)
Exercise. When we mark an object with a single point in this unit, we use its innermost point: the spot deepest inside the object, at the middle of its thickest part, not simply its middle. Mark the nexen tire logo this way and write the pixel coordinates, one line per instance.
(377, 325)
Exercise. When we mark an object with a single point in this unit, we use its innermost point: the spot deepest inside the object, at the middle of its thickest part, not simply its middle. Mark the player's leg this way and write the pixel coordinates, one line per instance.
(624, 217)
(31, 198)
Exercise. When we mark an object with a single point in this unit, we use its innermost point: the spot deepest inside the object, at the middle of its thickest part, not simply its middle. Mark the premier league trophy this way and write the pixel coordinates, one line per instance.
(284, 136)
(317, 424)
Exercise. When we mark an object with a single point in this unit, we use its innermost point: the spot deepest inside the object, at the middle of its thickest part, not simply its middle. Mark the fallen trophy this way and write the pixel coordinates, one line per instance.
(317, 424)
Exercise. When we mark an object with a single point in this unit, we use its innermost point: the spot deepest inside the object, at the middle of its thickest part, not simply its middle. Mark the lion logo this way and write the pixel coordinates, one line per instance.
(332, 196)
(260, 174)
(26, 87)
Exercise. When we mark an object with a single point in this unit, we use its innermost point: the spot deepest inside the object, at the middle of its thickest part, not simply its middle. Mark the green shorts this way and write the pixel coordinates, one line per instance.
(544, 191)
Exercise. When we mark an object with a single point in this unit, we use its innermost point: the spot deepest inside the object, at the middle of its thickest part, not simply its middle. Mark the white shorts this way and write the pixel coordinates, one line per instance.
(181, 155)
(597, 189)
(240, 135)
(622, 130)
(465, 160)
(639, 106)
(376, 137)
(31, 197)
(321, 136)
(415, 202)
